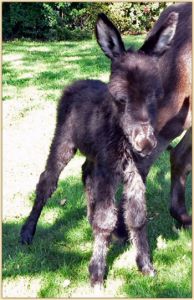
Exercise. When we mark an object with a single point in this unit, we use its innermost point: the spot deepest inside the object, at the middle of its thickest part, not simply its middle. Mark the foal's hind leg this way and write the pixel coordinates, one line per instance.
(87, 178)
(61, 152)
(120, 232)
(180, 158)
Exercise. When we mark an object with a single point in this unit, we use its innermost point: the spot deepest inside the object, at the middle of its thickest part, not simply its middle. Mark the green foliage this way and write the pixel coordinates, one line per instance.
(24, 20)
(135, 17)
(74, 20)
(46, 21)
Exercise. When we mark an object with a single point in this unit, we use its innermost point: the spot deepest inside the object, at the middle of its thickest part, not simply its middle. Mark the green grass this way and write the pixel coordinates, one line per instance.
(51, 66)
(56, 264)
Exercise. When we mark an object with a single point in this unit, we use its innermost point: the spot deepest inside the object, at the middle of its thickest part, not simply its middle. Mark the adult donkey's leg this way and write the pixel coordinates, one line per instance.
(61, 151)
(134, 204)
(180, 158)
(103, 217)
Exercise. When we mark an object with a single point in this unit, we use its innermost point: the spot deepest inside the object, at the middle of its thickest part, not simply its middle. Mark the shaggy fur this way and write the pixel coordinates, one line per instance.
(113, 126)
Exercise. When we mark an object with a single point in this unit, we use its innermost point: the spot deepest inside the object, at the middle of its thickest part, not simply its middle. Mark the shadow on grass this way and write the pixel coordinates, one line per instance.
(160, 221)
(45, 254)
(62, 245)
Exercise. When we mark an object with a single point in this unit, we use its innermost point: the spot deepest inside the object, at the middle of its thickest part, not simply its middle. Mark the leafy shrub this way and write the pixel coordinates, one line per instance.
(133, 17)
(75, 20)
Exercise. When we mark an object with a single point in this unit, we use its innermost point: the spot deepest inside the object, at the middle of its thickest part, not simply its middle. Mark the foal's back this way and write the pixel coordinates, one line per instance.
(86, 114)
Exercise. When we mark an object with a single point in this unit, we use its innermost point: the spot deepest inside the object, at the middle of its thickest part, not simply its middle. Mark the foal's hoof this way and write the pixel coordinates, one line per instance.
(149, 270)
(26, 236)
(98, 287)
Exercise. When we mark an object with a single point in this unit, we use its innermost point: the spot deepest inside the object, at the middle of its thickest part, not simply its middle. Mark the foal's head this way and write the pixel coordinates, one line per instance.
(135, 84)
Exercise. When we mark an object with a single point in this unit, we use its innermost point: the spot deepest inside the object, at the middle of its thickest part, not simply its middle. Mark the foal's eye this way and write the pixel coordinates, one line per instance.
(122, 100)
(150, 98)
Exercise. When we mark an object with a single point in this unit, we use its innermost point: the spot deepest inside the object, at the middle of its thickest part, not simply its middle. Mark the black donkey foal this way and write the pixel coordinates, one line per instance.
(111, 124)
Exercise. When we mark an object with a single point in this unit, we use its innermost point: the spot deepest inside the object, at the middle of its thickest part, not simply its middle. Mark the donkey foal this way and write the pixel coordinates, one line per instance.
(111, 124)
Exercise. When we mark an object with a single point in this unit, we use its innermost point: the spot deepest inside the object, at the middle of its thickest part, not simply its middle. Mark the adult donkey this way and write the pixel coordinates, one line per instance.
(113, 126)
(174, 110)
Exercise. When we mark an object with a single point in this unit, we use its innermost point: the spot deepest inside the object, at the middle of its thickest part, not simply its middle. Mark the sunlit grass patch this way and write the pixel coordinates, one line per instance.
(49, 217)
(13, 58)
(126, 260)
(22, 286)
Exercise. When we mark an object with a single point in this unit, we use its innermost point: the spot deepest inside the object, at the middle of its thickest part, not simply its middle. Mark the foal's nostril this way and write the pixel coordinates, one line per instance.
(154, 144)
(153, 141)
(144, 145)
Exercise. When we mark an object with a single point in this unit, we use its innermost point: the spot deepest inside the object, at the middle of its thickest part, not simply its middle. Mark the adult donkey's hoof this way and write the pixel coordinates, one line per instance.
(186, 221)
(182, 218)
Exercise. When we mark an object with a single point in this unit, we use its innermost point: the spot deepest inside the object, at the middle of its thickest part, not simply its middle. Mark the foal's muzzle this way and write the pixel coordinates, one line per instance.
(143, 139)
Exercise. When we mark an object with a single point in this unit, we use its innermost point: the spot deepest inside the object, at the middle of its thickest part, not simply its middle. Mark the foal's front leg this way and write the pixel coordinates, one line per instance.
(134, 204)
(104, 217)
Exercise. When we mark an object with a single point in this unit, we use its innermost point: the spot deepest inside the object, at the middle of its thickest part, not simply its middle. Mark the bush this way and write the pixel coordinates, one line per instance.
(63, 33)
(129, 17)
(74, 20)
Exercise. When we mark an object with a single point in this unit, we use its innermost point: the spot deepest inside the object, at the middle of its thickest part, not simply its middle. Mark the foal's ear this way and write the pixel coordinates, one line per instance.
(108, 37)
(159, 41)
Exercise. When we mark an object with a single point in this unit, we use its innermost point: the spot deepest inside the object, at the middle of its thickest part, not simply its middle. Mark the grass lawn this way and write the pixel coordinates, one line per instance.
(56, 264)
